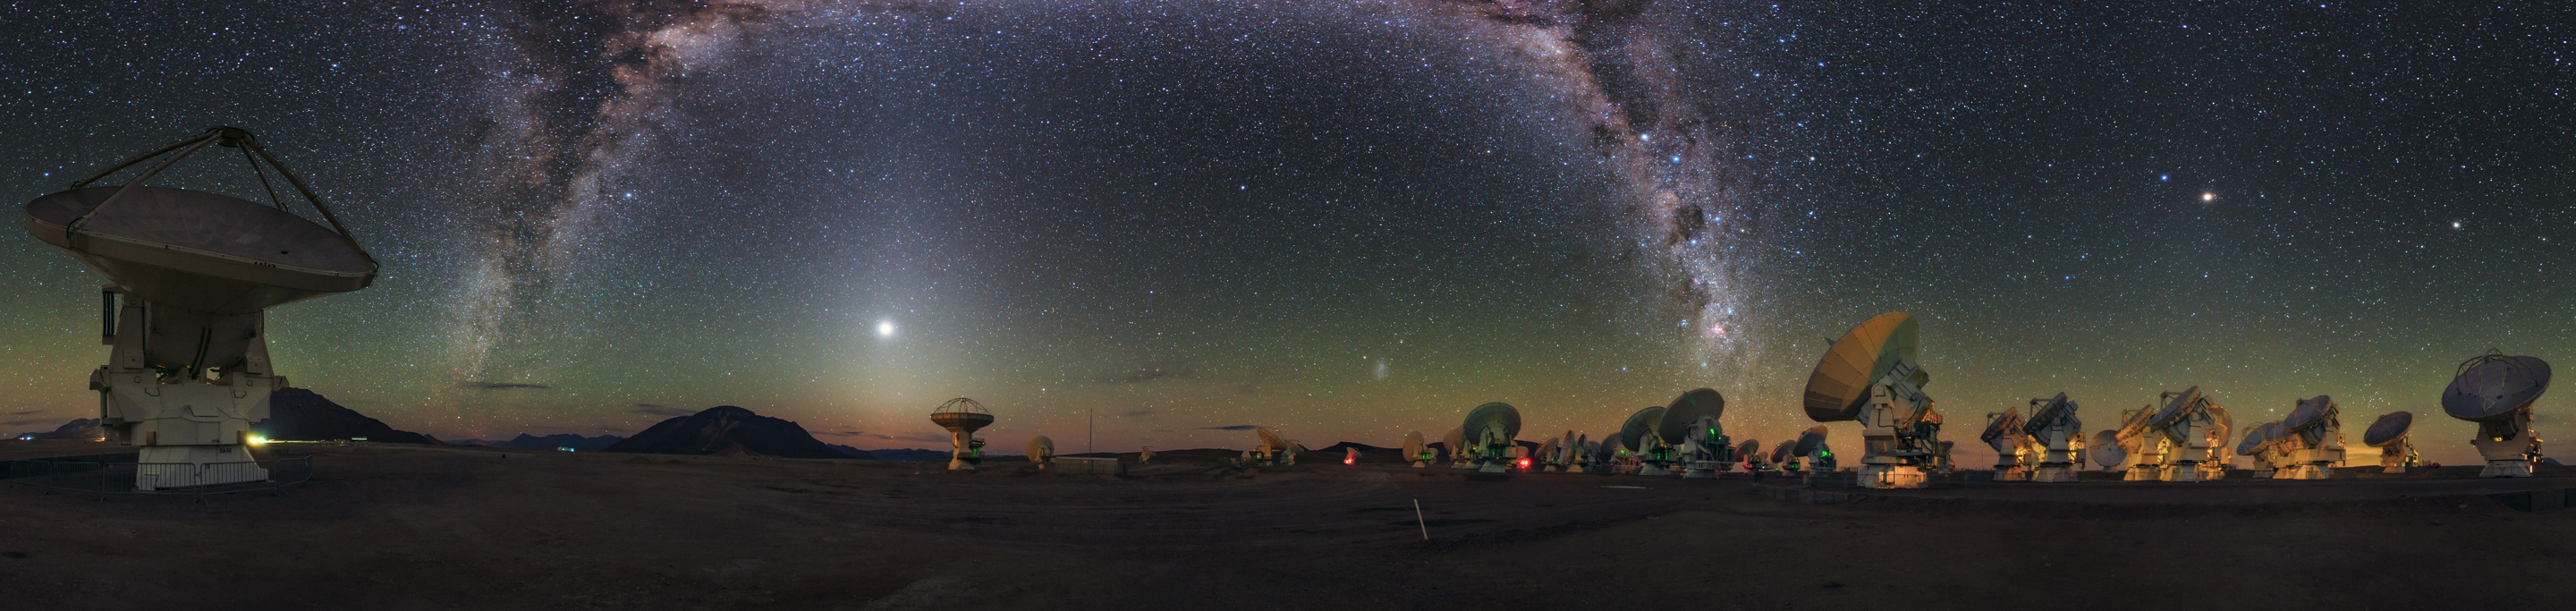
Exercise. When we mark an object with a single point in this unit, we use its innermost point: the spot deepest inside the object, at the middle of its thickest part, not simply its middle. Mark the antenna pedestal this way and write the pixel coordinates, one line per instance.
(2510, 456)
(194, 425)
(2395, 459)
(1898, 433)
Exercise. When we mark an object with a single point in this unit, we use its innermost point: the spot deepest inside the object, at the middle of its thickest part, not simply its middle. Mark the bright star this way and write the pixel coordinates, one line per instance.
(885, 328)
(2208, 196)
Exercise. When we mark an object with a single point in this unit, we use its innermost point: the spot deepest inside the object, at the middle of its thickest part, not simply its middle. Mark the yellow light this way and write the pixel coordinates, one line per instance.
(258, 440)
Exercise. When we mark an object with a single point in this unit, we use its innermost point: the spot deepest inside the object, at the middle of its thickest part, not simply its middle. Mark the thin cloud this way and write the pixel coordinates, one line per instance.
(27, 421)
(1234, 427)
(665, 411)
(490, 385)
(1155, 371)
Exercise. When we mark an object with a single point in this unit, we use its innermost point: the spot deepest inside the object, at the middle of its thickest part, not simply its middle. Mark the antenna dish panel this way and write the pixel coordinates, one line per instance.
(1781, 454)
(198, 250)
(2003, 424)
(1041, 449)
(1839, 387)
(2388, 430)
(1271, 439)
(2309, 412)
(961, 414)
(2106, 449)
(2491, 387)
(1455, 443)
(1632, 435)
(1750, 449)
(1412, 445)
(1675, 424)
(1492, 416)
(2047, 415)
(1807, 441)
(2262, 436)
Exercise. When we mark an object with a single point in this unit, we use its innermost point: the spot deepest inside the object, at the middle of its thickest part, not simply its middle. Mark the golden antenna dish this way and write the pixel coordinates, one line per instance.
(1839, 387)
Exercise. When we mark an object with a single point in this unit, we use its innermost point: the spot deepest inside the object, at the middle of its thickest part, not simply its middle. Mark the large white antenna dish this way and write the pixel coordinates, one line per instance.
(1547, 451)
(196, 270)
(2057, 435)
(1041, 451)
(1643, 445)
(2107, 452)
(2013, 455)
(1785, 456)
(2388, 434)
(1870, 376)
(1274, 449)
(2174, 442)
(2497, 391)
(1415, 451)
(1456, 445)
(962, 417)
(2312, 435)
(1689, 426)
(1490, 430)
(2263, 443)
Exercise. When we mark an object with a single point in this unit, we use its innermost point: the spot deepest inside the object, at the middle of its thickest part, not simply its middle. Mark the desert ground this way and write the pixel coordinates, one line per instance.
(391, 526)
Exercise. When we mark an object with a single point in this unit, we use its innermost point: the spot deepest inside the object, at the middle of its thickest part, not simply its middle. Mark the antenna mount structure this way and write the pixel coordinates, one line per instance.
(962, 417)
(1870, 376)
(2497, 392)
(188, 374)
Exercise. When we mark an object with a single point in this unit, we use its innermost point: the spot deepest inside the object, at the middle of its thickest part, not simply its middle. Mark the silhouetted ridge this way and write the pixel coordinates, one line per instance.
(296, 414)
(727, 431)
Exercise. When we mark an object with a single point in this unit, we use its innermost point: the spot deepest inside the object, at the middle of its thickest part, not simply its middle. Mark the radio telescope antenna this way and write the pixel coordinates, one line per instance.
(2388, 434)
(1456, 445)
(1639, 438)
(1274, 449)
(1810, 446)
(2107, 452)
(1751, 453)
(1784, 457)
(1041, 451)
(962, 417)
(1489, 430)
(1870, 376)
(1546, 454)
(2312, 435)
(1689, 426)
(2056, 439)
(198, 271)
(1415, 452)
(2177, 438)
(2013, 457)
(2263, 444)
(1605, 456)
(2496, 391)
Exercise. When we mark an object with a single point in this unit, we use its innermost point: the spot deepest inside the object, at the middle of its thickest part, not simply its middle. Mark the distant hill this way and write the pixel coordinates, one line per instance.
(557, 441)
(852, 452)
(78, 428)
(727, 431)
(296, 414)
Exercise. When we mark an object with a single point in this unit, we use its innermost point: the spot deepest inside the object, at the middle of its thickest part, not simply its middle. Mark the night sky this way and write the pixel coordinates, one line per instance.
(1345, 220)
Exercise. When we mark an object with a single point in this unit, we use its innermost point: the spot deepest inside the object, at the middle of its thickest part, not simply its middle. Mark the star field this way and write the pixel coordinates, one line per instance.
(1347, 220)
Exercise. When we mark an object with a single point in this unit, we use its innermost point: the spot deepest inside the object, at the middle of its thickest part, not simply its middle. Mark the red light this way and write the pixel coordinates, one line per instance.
(1525, 463)
(1349, 461)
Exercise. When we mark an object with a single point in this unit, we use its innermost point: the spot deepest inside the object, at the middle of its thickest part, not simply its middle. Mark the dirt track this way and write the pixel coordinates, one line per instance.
(406, 527)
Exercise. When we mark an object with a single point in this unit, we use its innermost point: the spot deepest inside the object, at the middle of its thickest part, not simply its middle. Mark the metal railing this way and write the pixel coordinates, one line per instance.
(102, 475)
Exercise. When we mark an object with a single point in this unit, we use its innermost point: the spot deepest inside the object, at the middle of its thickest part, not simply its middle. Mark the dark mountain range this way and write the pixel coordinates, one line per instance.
(78, 428)
(727, 431)
(556, 441)
(296, 414)
(853, 452)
